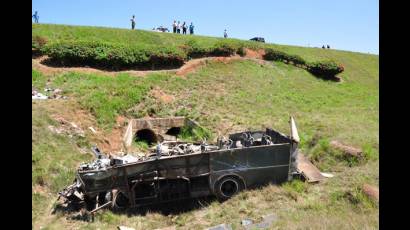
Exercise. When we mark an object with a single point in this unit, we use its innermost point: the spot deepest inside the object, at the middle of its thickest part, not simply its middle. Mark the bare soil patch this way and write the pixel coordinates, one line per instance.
(371, 191)
(72, 120)
(258, 54)
(160, 95)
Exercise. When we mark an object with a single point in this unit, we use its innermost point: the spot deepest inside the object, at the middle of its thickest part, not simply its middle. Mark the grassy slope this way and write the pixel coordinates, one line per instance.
(239, 95)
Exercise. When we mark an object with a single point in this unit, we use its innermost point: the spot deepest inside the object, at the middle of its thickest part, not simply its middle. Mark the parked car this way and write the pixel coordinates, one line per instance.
(258, 39)
(161, 29)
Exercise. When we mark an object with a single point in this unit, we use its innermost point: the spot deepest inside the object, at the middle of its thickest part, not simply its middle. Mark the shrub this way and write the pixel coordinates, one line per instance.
(193, 50)
(241, 51)
(196, 133)
(297, 60)
(223, 48)
(116, 56)
(327, 69)
(276, 55)
(37, 42)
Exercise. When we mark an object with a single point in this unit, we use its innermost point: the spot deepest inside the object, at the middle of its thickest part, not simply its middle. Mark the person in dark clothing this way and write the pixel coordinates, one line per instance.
(36, 17)
(133, 22)
(184, 27)
(191, 28)
(328, 46)
(323, 47)
(225, 34)
(174, 27)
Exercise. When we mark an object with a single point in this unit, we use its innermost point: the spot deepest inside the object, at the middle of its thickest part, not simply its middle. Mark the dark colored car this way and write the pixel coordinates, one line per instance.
(258, 39)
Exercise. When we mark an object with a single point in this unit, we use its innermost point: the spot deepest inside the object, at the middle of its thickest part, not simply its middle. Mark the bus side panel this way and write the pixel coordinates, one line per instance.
(255, 165)
(186, 166)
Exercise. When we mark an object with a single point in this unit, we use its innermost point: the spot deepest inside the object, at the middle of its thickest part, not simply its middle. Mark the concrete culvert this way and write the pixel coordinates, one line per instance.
(146, 135)
(174, 131)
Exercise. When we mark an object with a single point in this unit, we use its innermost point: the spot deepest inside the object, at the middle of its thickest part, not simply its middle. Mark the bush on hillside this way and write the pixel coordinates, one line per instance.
(37, 42)
(193, 50)
(221, 48)
(224, 48)
(276, 55)
(241, 51)
(327, 69)
(114, 56)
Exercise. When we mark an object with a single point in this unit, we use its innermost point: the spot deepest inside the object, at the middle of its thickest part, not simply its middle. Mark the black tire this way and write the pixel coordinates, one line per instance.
(228, 187)
(120, 200)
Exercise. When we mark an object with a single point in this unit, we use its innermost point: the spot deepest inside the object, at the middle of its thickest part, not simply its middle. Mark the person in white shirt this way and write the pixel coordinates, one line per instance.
(179, 27)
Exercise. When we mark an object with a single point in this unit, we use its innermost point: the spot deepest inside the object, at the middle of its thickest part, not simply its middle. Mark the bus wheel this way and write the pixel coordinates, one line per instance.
(120, 200)
(227, 187)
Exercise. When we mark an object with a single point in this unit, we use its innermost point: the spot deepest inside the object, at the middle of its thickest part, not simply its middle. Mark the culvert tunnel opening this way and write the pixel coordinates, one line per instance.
(146, 135)
(174, 131)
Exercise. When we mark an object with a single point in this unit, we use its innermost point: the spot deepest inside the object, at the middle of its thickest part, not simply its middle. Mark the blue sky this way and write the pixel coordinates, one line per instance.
(346, 25)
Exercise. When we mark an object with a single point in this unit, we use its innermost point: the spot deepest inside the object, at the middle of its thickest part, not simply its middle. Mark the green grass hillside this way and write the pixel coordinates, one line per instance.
(222, 97)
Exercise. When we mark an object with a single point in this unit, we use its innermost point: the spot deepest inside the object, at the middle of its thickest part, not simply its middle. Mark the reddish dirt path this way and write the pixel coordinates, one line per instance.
(189, 67)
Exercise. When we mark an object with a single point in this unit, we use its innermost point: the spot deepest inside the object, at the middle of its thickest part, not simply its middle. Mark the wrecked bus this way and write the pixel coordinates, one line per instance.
(180, 170)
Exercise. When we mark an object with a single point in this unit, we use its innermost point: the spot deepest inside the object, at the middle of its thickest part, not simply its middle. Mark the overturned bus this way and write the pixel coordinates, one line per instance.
(180, 170)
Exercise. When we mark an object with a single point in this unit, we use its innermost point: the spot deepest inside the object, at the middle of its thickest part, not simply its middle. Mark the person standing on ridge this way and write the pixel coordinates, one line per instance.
(174, 26)
(191, 28)
(36, 17)
(133, 22)
(179, 27)
(184, 28)
(225, 34)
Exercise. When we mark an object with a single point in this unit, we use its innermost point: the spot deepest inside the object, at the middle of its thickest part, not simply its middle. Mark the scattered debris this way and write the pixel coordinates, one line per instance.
(327, 175)
(160, 95)
(68, 128)
(182, 148)
(246, 222)
(221, 227)
(308, 170)
(371, 191)
(38, 96)
(264, 224)
(167, 228)
(125, 228)
(55, 94)
(103, 161)
(92, 129)
(352, 151)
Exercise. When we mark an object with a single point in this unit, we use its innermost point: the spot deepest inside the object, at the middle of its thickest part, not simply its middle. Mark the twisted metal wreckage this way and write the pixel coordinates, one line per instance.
(179, 170)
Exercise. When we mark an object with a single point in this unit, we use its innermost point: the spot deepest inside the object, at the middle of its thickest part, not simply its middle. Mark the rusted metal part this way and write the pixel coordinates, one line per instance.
(371, 191)
(179, 170)
(308, 170)
(349, 150)
(101, 207)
